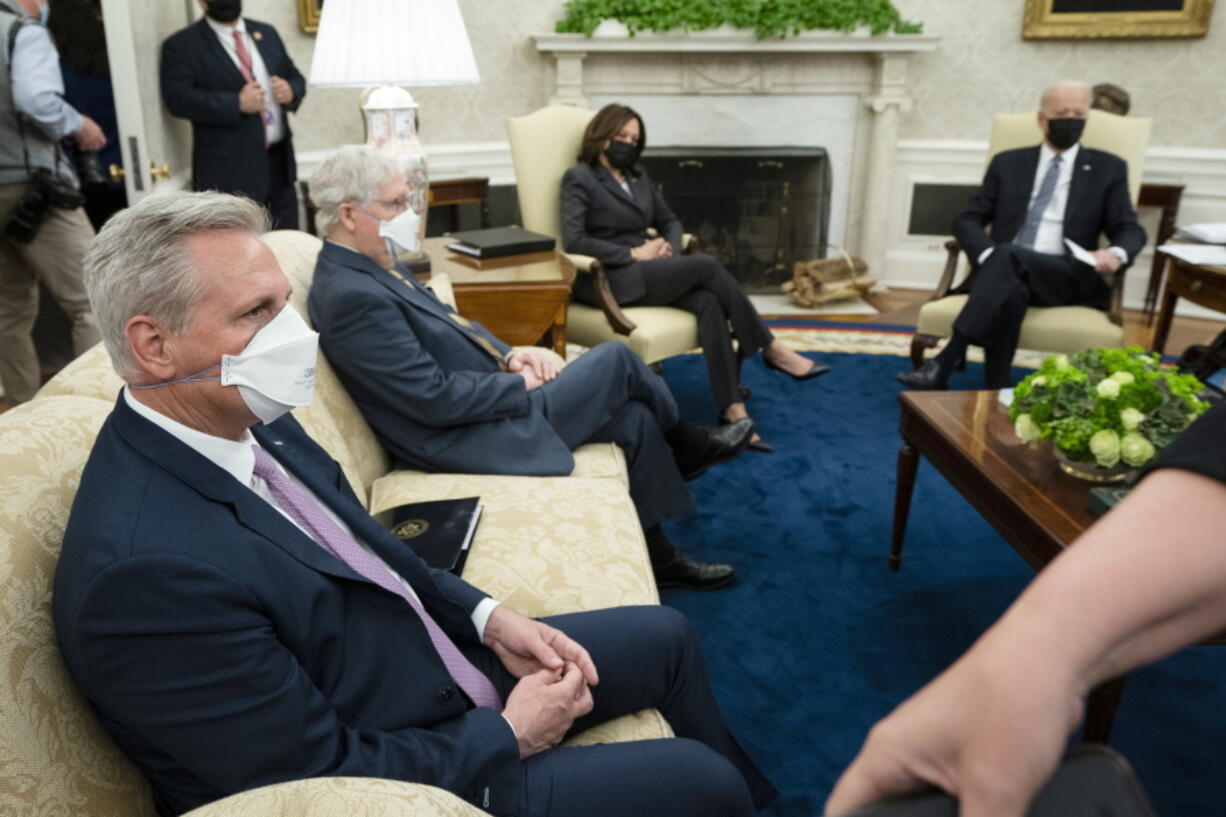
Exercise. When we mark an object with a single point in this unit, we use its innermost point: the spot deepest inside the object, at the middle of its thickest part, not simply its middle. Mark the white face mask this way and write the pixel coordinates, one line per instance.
(400, 231)
(274, 373)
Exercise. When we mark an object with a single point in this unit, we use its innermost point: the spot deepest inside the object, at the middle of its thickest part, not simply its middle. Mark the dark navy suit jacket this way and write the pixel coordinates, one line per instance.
(201, 83)
(223, 649)
(600, 220)
(1098, 203)
(436, 399)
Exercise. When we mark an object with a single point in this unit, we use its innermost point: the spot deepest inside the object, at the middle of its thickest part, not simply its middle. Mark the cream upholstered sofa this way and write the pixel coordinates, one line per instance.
(1055, 328)
(544, 546)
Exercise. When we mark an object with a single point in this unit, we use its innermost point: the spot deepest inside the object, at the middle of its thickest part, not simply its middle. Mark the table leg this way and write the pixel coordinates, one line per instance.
(1163, 329)
(1101, 704)
(908, 463)
(555, 336)
(1153, 288)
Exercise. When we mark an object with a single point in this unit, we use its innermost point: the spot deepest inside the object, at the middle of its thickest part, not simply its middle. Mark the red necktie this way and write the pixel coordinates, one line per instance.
(244, 66)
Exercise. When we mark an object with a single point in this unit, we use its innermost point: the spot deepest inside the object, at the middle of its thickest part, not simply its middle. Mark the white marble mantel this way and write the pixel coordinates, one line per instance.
(828, 68)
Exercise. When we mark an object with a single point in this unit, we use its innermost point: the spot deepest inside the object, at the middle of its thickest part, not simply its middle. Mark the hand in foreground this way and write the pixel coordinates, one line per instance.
(251, 98)
(90, 136)
(526, 646)
(1107, 261)
(282, 91)
(985, 731)
(543, 706)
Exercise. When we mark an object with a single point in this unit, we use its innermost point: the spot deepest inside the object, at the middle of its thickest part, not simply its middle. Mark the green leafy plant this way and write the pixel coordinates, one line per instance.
(1106, 405)
(769, 18)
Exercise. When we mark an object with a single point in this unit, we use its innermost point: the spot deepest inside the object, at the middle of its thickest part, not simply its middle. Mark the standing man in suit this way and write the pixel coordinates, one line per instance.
(236, 618)
(234, 80)
(1035, 199)
(444, 394)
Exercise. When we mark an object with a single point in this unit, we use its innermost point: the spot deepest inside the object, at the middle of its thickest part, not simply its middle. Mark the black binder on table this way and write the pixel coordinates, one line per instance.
(499, 241)
(440, 532)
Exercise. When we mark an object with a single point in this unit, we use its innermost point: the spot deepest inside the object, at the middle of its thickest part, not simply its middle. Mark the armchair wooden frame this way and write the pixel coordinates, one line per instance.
(618, 321)
(921, 342)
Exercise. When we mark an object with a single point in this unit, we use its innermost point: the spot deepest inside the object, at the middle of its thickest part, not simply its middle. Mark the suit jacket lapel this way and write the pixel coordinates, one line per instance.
(1083, 173)
(610, 184)
(261, 45)
(214, 47)
(215, 484)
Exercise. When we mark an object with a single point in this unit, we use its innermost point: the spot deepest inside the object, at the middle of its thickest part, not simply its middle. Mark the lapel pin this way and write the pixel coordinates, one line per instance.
(1085, 167)
(276, 442)
(256, 35)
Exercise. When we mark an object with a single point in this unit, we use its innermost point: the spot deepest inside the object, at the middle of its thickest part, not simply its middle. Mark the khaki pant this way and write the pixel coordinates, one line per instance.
(54, 257)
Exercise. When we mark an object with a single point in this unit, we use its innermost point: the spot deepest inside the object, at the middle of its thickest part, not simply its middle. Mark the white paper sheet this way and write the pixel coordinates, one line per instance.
(1209, 233)
(1080, 253)
(1214, 254)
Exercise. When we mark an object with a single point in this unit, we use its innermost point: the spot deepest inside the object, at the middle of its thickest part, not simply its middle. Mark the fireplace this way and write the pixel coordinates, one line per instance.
(758, 210)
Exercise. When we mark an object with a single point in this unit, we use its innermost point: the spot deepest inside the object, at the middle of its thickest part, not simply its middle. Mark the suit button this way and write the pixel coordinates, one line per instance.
(445, 694)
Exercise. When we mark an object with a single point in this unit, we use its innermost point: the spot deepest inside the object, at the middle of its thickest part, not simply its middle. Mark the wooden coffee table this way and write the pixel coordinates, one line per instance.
(520, 298)
(1021, 491)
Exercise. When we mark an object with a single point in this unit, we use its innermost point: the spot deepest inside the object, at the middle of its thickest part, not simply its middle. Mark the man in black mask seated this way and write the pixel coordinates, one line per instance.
(1034, 199)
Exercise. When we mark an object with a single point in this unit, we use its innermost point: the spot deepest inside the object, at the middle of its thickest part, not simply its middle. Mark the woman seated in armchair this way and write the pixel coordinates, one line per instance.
(611, 211)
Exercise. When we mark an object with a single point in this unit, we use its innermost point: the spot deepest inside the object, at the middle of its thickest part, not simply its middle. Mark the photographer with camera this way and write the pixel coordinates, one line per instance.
(43, 230)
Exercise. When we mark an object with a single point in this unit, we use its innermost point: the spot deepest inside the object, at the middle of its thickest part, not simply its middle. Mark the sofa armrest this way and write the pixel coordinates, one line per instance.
(340, 797)
(608, 304)
(440, 284)
(947, 275)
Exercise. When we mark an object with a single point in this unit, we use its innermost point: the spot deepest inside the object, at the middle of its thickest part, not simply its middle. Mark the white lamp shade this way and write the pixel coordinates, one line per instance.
(408, 42)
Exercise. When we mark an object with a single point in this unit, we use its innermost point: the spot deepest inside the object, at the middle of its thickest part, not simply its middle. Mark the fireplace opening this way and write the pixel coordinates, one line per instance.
(758, 210)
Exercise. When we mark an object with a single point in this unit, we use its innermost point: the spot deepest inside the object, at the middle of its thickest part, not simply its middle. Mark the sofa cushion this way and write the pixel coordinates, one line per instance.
(90, 375)
(545, 545)
(56, 759)
(660, 331)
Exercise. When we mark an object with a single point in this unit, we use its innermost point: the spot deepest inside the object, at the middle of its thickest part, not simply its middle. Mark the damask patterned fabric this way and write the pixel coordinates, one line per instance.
(341, 797)
(90, 375)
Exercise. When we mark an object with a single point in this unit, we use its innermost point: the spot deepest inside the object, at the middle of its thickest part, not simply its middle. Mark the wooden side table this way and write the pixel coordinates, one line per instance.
(451, 193)
(520, 298)
(1199, 283)
(1166, 197)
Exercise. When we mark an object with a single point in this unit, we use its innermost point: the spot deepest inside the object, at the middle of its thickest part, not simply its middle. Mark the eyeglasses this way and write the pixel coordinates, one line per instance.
(399, 205)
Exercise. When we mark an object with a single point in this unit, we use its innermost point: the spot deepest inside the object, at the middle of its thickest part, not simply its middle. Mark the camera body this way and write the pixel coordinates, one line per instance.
(45, 190)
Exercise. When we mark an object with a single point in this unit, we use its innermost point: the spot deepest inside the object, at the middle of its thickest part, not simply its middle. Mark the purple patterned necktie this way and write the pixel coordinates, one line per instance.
(310, 516)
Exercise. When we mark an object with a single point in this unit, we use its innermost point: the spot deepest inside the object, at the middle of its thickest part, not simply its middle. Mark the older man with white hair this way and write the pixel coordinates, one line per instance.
(444, 394)
(236, 618)
(1035, 200)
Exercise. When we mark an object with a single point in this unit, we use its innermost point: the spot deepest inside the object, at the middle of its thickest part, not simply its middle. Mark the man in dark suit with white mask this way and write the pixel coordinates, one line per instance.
(1035, 199)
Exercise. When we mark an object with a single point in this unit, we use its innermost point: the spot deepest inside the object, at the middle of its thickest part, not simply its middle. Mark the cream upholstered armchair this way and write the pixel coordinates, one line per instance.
(544, 145)
(1057, 328)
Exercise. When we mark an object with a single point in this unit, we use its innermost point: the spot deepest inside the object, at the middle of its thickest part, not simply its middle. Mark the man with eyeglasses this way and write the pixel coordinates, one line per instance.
(444, 394)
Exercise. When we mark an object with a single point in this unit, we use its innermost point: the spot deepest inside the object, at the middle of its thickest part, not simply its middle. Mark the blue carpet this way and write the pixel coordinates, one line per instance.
(819, 640)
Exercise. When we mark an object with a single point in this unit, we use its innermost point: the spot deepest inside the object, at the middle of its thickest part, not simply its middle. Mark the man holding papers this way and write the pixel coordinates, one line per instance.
(1047, 206)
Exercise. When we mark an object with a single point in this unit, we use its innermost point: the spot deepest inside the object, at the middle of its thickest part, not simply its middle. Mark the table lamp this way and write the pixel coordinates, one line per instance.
(381, 45)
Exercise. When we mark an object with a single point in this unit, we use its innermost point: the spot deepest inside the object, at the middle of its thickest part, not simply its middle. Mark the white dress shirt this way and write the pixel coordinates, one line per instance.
(238, 460)
(276, 127)
(1050, 237)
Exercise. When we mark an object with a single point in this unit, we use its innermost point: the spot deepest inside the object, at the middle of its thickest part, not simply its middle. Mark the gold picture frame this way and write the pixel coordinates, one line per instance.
(1113, 19)
(308, 15)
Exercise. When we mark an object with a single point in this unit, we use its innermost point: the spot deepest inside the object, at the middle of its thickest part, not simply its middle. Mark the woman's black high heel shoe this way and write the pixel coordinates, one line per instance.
(760, 445)
(816, 370)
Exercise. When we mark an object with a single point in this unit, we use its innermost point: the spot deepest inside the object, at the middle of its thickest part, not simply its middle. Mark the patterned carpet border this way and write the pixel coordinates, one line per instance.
(810, 335)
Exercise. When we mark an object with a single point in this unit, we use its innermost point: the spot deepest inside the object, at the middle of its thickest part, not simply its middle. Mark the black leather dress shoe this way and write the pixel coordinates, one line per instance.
(723, 444)
(926, 378)
(760, 445)
(687, 572)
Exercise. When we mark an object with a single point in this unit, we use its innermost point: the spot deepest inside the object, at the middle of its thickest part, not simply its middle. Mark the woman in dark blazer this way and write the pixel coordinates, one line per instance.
(611, 211)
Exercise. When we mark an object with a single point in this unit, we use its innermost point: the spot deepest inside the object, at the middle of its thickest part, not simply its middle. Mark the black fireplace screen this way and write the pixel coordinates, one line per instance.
(756, 209)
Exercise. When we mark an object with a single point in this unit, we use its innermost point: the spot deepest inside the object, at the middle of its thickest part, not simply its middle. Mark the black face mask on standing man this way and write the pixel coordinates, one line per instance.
(1064, 133)
(620, 154)
(224, 11)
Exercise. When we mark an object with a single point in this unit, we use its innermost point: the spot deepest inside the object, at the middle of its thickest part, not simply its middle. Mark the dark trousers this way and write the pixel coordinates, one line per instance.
(609, 395)
(700, 285)
(282, 200)
(1010, 280)
(646, 657)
